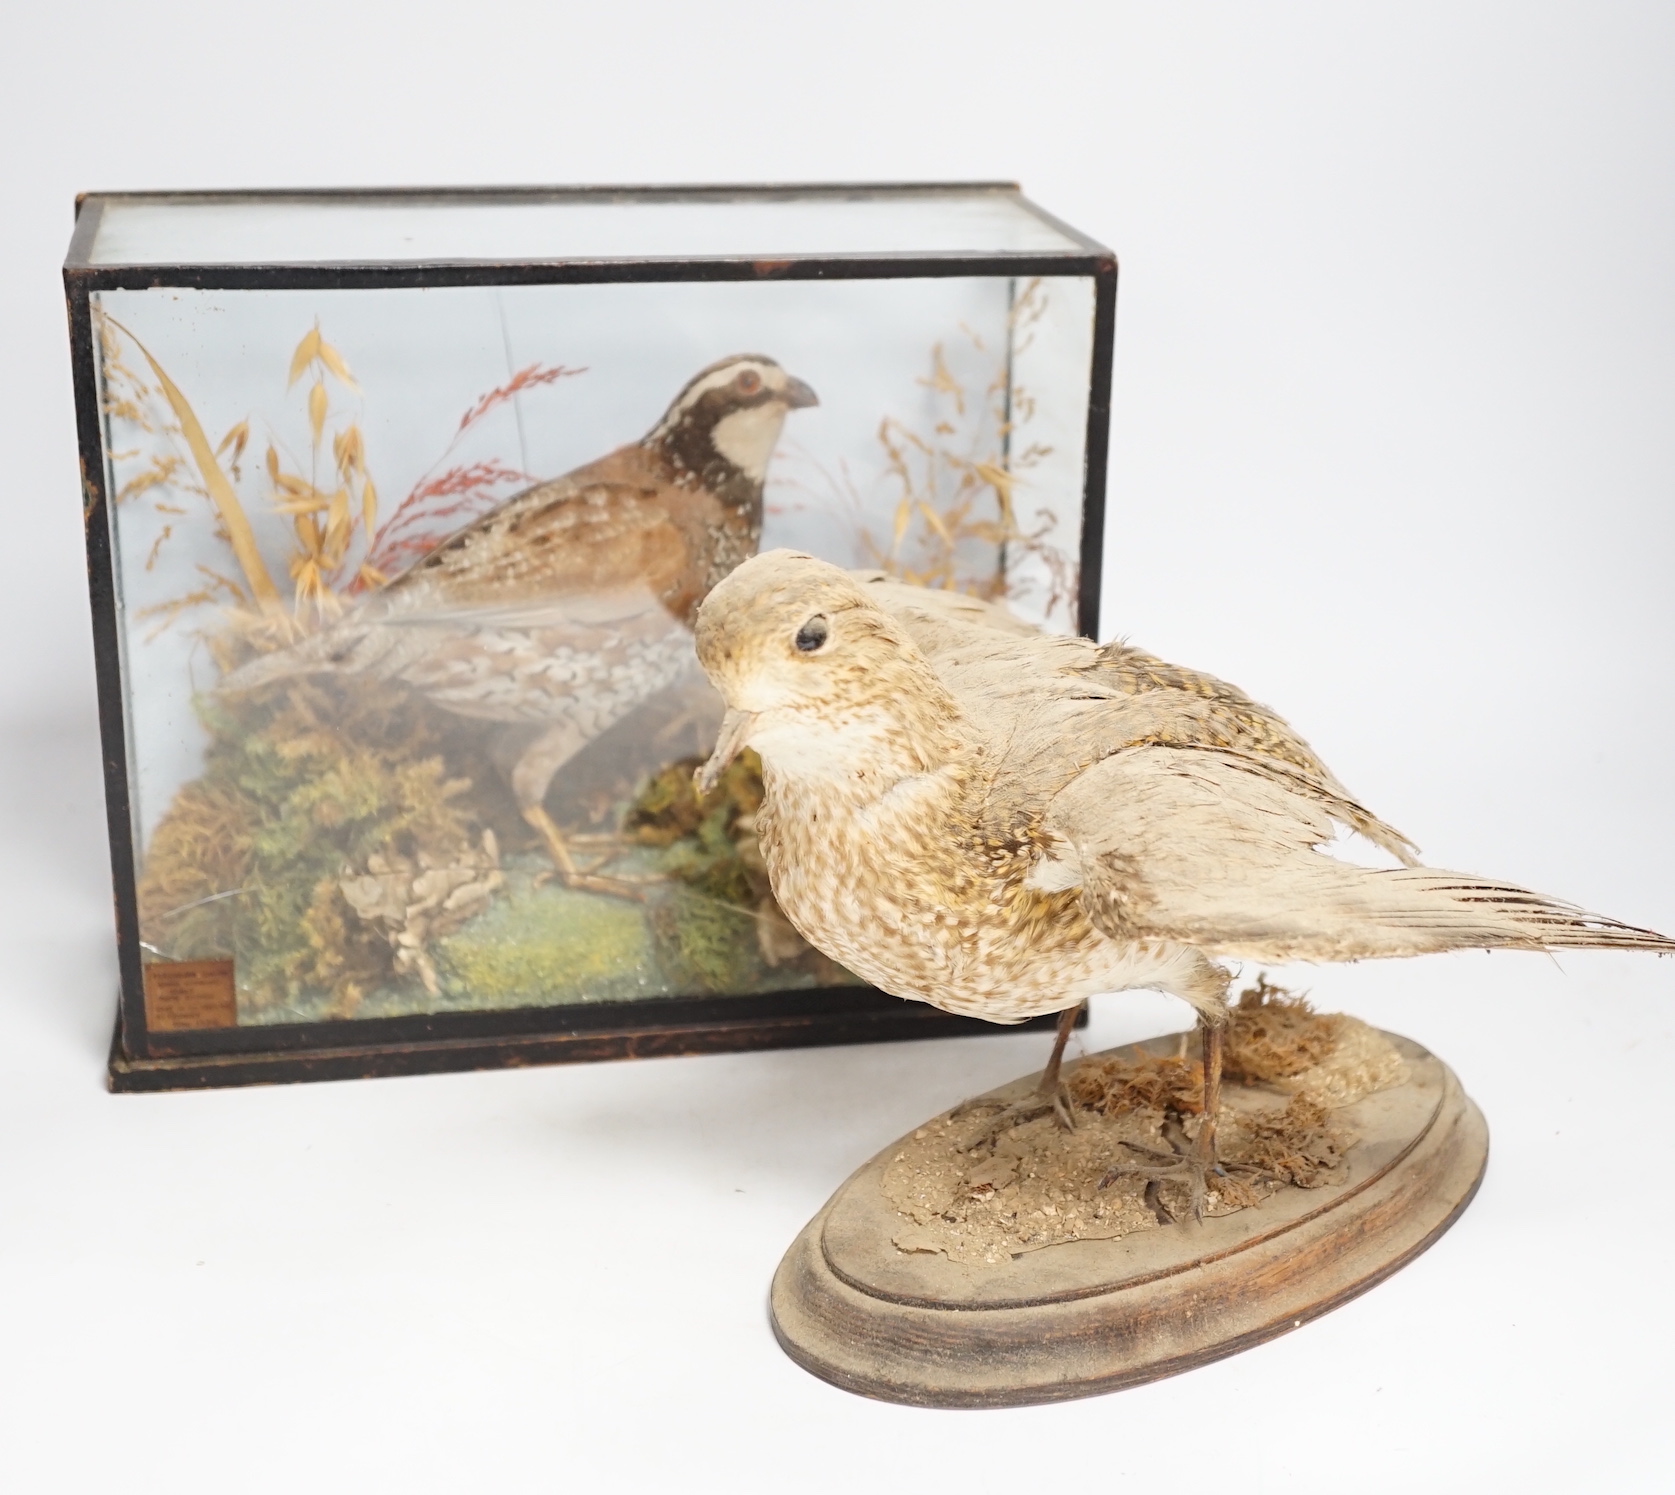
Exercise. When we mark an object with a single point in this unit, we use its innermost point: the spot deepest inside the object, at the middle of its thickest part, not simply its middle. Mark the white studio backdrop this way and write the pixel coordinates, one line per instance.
(1393, 449)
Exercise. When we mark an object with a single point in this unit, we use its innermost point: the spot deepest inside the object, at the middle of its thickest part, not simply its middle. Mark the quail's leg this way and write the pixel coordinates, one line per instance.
(531, 774)
(1200, 1160)
(569, 873)
(1049, 1094)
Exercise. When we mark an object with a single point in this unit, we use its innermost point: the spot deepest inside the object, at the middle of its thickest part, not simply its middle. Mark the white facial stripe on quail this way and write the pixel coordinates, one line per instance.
(747, 437)
(772, 378)
(696, 392)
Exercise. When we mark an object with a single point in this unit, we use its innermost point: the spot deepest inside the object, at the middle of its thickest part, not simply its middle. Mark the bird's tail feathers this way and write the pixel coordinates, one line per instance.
(1417, 910)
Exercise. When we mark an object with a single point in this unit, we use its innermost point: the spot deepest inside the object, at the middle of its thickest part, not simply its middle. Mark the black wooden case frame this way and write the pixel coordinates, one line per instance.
(143, 1059)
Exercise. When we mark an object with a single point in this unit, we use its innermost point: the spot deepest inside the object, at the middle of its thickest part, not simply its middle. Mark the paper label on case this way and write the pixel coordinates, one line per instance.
(190, 994)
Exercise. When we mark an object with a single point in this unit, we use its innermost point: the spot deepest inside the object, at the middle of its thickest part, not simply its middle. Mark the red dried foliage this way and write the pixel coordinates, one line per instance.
(532, 377)
(443, 503)
(438, 507)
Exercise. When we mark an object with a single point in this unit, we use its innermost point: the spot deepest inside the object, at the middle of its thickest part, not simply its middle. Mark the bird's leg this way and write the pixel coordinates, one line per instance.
(1049, 1094)
(537, 816)
(1050, 1084)
(1204, 1145)
(531, 774)
(569, 874)
(1199, 1160)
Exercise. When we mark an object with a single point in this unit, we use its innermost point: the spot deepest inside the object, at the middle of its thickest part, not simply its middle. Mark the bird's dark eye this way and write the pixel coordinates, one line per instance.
(812, 634)
(748, 382)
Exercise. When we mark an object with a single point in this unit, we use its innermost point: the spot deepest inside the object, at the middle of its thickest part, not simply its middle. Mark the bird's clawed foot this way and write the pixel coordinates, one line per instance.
(1051, 1101)
(1049, 1096)
(1197, 1162)
(564, 864)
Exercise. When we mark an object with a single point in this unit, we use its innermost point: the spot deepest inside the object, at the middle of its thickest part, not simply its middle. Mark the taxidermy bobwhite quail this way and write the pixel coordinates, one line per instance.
(574, 601)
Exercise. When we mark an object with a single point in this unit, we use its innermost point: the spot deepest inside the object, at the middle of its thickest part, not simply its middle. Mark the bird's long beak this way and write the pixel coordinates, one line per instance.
(797, 395)
(735, 727)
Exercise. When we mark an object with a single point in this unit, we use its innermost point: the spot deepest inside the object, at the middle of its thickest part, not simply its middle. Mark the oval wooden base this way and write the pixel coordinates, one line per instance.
(1088, 1316)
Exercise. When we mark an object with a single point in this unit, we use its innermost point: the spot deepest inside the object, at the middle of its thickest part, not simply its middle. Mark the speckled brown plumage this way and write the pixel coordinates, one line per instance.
(573, 602)
(1002, 823)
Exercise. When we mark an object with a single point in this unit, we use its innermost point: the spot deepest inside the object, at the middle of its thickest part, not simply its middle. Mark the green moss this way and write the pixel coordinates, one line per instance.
(706, 924)
(707, 945)
(668, 808)
(548, 945)
(300, 782)
(305, 780)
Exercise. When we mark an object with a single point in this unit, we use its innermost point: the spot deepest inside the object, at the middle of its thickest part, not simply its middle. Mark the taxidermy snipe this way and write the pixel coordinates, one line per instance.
(1003, 823)
(574, 601)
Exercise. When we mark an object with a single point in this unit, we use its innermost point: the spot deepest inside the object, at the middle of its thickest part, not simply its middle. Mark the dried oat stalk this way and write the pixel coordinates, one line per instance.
(327, 493)
(955, 523)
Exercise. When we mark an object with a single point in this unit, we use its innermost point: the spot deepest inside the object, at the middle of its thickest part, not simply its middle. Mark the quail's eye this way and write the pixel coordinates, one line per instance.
(748, 382)
(812, 634)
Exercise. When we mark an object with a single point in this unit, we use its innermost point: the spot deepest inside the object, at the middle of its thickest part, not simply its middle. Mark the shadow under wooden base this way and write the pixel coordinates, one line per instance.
(1092, 1316)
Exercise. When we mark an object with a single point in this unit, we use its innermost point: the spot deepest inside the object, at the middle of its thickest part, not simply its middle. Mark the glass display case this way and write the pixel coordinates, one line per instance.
(399, 506)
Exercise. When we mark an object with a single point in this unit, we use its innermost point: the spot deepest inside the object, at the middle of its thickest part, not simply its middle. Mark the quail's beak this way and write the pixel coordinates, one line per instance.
(735, 727)
(797, 395)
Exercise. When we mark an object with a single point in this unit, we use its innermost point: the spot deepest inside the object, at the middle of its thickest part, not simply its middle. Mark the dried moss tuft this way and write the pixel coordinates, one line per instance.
(706, 945)
(300, 782)
(706, 925)
(1300, 1143)
(1274, 1035)
(1117, 1087)
(669, 808)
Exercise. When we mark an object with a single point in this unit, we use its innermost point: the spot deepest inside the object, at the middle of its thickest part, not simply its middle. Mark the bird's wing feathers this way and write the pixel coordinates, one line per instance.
(594, 550)
(1204, 712)
(1056, 706)
(1216, 850)
(602, 527)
